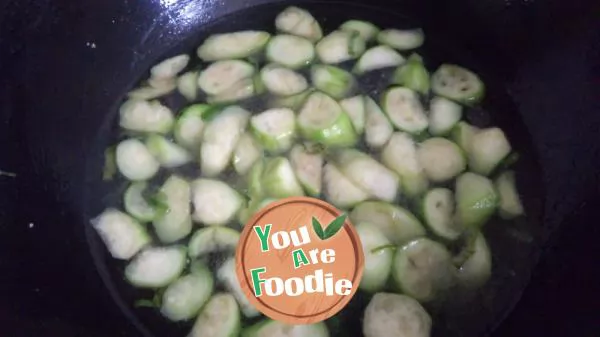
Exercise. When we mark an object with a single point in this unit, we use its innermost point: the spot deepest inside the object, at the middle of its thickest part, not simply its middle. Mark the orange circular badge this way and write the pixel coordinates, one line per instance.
(299, 260)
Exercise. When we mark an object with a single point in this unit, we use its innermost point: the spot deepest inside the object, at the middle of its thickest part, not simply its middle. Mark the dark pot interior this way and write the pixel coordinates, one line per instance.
(66, 66)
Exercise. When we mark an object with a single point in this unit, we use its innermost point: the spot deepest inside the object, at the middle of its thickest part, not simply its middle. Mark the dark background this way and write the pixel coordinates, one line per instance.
(48, 65)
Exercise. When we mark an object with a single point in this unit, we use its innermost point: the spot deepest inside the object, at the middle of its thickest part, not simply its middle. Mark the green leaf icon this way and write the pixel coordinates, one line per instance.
(331, 229)
(335, 226)
(317, 228)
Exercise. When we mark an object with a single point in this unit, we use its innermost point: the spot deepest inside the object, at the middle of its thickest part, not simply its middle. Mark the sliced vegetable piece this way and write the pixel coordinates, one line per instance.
(215, 202)
(162, 83)
(170, 67)
(423, 269)
(510, 160)
(184, 298)
(400, 155)
(308, 167)
(279, 180)
(176, 222)
(254, 179)
(438, 211)
(368, 174)
(220, 137)
(402, 39)
(248, 211)
(233, 45)
(190, 125)
(138, 206)
(489, 147)
(158, 89)
(271, 328)
(378, 58)
(274, 129)
(324, 121)
(259, 85)
(462, 134)
(253, 206)
(458, 84)
(441, 159)
(355, 108)
(444, 115)
(134, 161)
(228, 277)
(241, 90)
(291, 51)
(220, 317)
(340, 46)
(282, 81)
(223, 75)
(378, 262)
(404, 109)
(477, 269)
(331, 80)
(122, 235)
(293, 102)
(395, 315)
(212, 239)
(156, 267)
(510, 203)
(476, 199)
(413, 75)
(366, 30)
(266, 202)
(169, 154)
(339, 190)
(378, 129)
(396, 223)
(246, 153)
(143, 116)
(187, 85)
(300, 22)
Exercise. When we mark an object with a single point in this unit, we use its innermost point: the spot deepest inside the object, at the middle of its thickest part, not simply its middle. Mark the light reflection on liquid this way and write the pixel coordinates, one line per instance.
(187, 13)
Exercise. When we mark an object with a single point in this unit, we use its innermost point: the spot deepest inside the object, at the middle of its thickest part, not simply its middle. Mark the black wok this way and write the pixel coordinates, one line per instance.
(65, 66)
